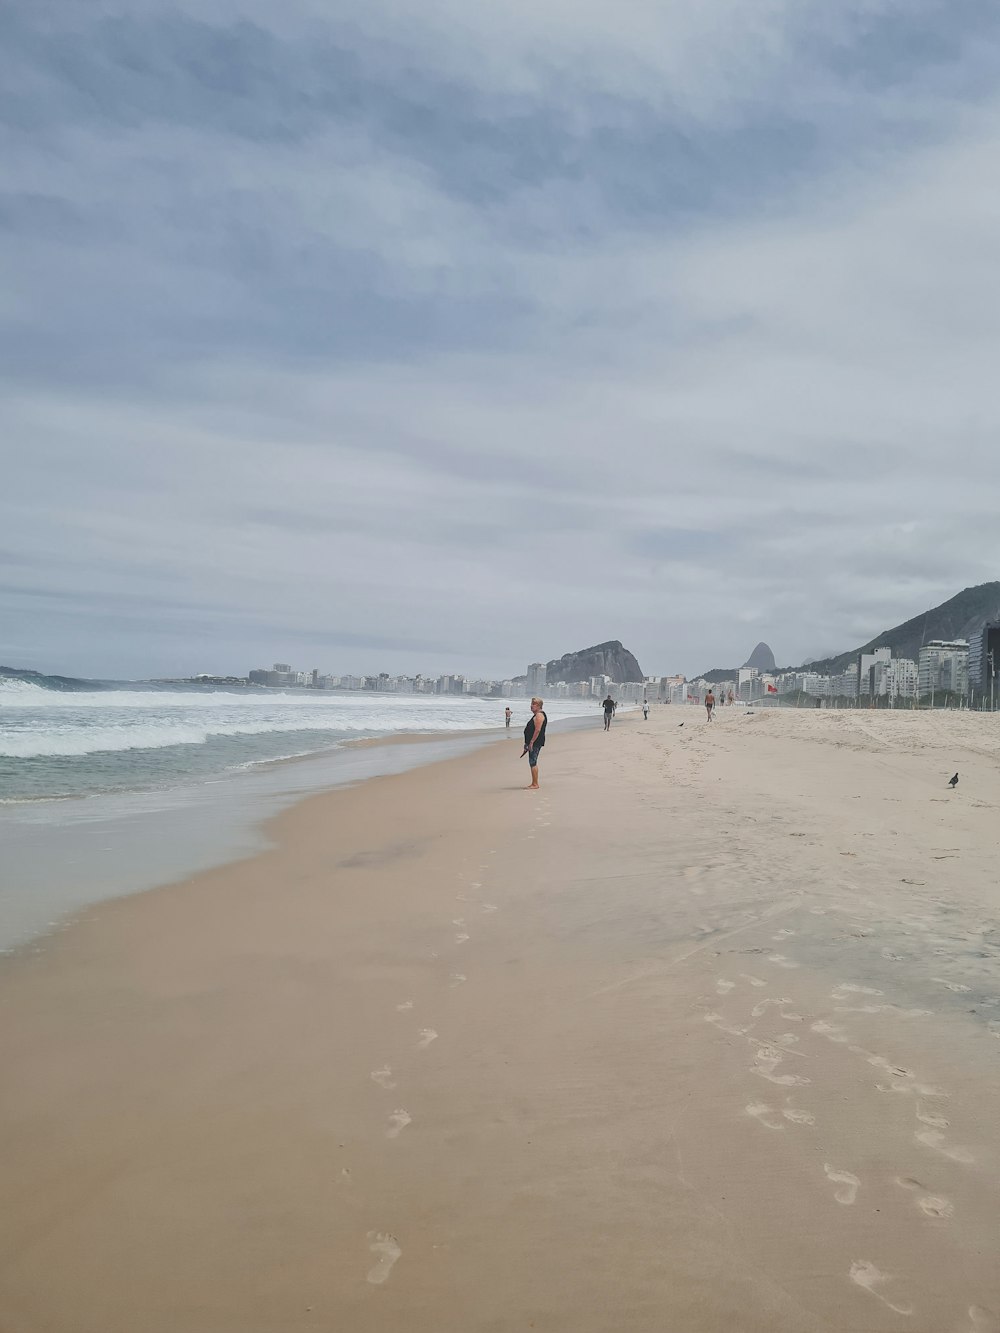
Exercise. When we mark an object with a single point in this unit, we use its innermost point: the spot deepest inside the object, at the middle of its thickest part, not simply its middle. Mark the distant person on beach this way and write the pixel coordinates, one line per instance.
(534, 739)
(709, 704)
(507, 717)
(645, 710)
(609, 712)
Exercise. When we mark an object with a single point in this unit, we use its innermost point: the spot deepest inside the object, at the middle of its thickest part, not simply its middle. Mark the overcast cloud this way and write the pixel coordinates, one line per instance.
(383, 336)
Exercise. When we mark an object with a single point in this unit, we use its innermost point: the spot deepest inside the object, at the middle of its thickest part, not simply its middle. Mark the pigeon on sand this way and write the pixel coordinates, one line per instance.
(953, 782)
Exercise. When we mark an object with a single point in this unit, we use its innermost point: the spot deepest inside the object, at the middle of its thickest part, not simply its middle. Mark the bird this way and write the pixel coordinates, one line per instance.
(954, 781)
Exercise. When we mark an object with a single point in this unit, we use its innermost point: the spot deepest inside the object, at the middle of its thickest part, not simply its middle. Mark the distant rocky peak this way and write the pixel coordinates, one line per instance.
(604, 659)
(762, 658)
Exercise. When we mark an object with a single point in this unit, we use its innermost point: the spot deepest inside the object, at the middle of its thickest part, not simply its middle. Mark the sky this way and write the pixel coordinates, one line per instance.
(444, 337)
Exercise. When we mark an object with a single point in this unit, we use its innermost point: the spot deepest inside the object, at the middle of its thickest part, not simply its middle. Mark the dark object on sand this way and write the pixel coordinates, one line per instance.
(954, 781)
(680, 724)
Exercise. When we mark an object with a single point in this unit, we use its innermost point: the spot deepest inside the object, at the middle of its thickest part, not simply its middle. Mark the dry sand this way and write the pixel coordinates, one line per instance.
(703, 1036)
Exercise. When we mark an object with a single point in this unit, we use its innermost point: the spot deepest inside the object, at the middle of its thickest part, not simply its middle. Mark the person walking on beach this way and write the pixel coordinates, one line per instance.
(645, 710)
(507, 717)
(609, 712)
(534, 739)
(709, 704)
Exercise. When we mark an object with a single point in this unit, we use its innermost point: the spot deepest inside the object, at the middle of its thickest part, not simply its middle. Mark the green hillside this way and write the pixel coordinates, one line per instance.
(958, 618)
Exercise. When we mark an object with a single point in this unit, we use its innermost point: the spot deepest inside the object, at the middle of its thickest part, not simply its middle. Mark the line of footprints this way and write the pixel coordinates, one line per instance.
(383, 1245)
(769, 1061)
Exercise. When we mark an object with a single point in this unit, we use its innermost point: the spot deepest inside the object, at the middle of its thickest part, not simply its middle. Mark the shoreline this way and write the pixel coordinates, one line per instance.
(696, 1034)
(64, 853)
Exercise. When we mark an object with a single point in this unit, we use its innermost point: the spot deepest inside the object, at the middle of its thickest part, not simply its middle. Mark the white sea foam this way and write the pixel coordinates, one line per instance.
(43, 723)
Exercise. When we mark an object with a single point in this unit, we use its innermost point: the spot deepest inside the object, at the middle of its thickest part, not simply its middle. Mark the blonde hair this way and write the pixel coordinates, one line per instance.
(536, 700)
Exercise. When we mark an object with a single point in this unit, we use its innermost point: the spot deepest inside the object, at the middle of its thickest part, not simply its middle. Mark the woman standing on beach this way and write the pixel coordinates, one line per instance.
(534, 739)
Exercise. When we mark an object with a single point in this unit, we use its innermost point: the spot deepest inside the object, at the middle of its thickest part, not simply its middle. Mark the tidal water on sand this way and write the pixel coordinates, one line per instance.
(108, 789)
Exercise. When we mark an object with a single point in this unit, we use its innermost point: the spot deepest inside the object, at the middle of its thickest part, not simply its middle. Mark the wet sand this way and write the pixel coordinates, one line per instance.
(704, 1035)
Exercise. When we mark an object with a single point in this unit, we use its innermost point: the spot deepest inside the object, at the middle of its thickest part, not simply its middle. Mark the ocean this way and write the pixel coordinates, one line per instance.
(111, 787)
(71, 739)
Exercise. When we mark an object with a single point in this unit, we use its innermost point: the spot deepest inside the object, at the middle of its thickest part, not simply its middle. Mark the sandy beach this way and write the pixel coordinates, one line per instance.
(702, 1036)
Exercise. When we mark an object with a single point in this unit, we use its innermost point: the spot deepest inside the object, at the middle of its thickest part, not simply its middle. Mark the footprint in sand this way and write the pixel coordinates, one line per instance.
(457, 978)
(955, 986)
(461, 937)
(723, 986)
(767, 1060)
(830, 1031)
(798, 1117)
(782, 934)
(383, 1077)
(754, 981)
(458, 921)
(845, 988)
(934, 1206)
(781, 960)
(760, 1007)
(764, 1114)
(427, 1035)
(880, 1062)
(867, 1276)
(407, 1004)
(891, 957)
(934, 1139)
(718, 1021)
(917, 1089)
(397, 1123)
(930, 1118)
(388, 1251)
(848, 1184)
(489, 907)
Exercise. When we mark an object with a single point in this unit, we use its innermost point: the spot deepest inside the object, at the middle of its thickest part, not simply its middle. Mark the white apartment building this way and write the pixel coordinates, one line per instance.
(896, 679)
(866, 661)
(944, 665)
(746, 685)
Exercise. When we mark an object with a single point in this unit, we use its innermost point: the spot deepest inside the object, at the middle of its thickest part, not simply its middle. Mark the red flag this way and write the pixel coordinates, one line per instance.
(772, 689)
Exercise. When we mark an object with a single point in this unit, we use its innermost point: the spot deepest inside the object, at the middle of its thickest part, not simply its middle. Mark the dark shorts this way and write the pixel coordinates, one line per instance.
(533, 755)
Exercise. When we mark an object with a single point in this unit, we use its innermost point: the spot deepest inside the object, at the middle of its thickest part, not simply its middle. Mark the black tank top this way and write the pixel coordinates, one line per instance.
(529, 730)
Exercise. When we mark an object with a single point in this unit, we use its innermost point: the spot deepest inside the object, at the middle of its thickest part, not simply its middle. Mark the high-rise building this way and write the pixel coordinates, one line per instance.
(981, 666)
(866, 662)
(536, 678)
(896, 679)
(747, 683)
(944, 666)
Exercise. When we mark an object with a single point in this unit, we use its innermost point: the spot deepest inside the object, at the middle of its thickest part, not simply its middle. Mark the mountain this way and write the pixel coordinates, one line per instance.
(958, 618)
(604, 659)
(762, 658)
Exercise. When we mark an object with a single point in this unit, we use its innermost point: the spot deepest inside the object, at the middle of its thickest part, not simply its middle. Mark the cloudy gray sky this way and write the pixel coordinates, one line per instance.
(382, 335)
